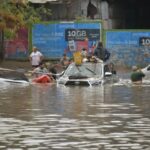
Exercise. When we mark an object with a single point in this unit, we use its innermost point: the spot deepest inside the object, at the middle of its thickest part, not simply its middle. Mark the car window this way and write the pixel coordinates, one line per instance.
(86, 69)
(106, 68)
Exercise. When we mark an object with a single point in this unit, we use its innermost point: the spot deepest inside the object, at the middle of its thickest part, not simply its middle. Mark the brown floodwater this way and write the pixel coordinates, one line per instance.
(55, 117)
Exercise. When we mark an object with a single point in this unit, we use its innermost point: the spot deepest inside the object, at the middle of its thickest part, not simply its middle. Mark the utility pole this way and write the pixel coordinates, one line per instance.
(1, 45)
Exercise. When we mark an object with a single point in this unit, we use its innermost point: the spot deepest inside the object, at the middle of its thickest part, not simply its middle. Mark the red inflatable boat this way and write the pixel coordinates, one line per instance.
(43, 79)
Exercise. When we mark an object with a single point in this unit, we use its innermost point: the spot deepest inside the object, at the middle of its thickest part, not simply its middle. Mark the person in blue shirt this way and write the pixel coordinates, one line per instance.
(101, 52)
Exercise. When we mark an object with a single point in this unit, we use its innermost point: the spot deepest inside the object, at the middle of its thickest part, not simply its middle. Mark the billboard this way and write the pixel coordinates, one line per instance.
(129, 47)
(54, 39)
(18, 46)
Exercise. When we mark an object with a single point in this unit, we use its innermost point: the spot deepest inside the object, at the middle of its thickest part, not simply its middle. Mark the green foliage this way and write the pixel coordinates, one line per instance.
(19, 13)
(9, 33)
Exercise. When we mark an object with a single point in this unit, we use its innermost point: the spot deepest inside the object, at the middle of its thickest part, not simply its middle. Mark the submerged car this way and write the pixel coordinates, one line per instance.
(12, 76)
(146, 71)
(88, 73)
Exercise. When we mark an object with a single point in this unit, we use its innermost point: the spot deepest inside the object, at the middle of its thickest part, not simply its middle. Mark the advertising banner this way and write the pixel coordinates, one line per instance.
(18, 46)
(129, 47)
(54, 39)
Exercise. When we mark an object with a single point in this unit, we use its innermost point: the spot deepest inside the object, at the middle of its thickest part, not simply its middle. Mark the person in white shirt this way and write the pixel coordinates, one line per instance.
(35, 57)
(40, 70)
(84, 53)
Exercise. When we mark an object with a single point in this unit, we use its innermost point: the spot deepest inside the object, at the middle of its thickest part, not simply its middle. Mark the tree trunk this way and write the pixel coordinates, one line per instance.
(1, 45)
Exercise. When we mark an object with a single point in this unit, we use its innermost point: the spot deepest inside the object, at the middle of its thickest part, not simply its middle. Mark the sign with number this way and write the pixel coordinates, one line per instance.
(130, 47)
(54, 39)
(143, 41)
(82, 34)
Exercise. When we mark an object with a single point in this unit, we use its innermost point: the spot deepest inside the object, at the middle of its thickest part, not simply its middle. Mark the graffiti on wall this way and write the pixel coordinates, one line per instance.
(129, 47)
(17, 47)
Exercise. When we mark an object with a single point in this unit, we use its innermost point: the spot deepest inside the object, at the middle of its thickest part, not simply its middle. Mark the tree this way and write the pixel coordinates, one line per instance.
(15, 14)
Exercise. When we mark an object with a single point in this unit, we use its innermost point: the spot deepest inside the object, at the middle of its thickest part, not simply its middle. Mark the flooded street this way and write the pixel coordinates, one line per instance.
(55, 117)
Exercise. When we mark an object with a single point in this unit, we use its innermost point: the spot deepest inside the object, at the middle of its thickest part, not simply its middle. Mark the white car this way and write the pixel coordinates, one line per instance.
(146, 71)
(88, 73)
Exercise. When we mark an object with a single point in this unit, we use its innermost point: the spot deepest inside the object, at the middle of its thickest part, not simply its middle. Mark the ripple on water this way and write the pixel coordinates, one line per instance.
(128, 83)
(94, 123)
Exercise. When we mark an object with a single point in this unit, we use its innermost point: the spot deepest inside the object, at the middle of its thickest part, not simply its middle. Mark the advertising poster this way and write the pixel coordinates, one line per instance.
(129, 47)
(17, 47)
(54, 39)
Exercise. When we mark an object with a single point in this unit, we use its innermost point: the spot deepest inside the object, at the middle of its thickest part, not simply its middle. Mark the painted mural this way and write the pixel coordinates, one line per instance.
(17, 47)
(129, 47)
(54, 39)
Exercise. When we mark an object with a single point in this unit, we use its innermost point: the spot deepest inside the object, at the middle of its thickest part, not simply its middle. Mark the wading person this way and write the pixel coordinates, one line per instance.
(65, 61)
(42, 74)
(101, 52)
(35, 57)
(137, 75)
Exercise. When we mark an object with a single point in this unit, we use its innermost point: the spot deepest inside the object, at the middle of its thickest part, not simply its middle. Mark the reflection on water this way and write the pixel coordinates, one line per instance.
(53, 117)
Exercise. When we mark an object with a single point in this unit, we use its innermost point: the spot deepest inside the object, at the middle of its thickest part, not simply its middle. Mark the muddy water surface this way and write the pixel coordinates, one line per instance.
(54, 117)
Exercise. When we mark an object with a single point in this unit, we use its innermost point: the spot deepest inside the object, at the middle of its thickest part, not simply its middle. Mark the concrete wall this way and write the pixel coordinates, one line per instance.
(116, 14)
(76, 9)
(111, 15)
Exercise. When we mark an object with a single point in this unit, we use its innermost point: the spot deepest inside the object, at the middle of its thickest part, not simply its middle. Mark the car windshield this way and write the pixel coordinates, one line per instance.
(86, 69)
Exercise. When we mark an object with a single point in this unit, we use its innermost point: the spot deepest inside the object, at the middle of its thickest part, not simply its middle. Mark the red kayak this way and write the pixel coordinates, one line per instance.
(43, 79)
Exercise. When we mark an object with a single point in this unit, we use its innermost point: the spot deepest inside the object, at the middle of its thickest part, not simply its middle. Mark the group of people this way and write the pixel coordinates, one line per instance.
(40, 68)
(41, 72)
(99, 52)
(136, 76)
